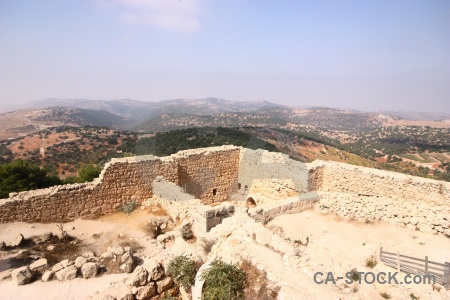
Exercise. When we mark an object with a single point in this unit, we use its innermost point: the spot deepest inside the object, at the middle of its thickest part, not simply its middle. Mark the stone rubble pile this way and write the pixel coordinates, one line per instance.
(114, 260)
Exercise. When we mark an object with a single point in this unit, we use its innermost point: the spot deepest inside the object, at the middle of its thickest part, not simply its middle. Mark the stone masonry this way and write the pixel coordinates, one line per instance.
(214, 174)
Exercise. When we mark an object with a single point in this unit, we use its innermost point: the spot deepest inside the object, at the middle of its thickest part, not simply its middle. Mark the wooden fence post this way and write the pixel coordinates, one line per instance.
(381, 252)
(426, 265)
(398, 261)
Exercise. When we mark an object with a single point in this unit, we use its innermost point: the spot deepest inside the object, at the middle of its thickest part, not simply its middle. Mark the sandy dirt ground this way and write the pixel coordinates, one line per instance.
(96, 236)
(338, 246)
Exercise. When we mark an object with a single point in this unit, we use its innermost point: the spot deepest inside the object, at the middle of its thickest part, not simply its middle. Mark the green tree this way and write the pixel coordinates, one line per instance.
(20, 175)
(87, 173)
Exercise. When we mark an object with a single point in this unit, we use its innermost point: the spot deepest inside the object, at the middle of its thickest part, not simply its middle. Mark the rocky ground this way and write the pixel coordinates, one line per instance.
(280, 258)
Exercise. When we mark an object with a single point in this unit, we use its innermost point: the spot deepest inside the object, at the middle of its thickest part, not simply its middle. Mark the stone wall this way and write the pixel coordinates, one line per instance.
(214, 174)
(291, 205)
(128, 179)
(268, 172)
(208, 174)
(369, 194)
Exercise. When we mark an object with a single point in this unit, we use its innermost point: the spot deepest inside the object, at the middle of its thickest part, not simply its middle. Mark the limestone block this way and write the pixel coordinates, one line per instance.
(154, 269)
(39, 265)
(164, 284)
(21, 275)
(89, 270)
(80, 261)
(47, 276)
(138, 278)
(145, 292)
(66, 273)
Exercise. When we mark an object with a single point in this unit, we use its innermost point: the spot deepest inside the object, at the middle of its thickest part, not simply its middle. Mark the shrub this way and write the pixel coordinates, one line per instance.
(385, 295)
(206, 244)
(371, 261)
(182, 270)
(127, 208)
(413, 297)
(355, 275)
(223, 282)
(166, 296)
(186, 232)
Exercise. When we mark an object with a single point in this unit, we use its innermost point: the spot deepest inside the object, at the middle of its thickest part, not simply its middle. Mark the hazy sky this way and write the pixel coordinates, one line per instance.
(361, 54)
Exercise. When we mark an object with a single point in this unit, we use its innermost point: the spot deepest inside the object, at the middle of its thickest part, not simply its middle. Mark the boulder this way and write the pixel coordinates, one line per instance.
(17, 241)
(127, 262)
(39, 265)
(164, 284)
(139, 277)
(116, 250)
(57, 267)
(123, 293)
(2, 246)
(68, 273)
(21, 276)
(47, 276)
(89, 270)
(88, 254)
(155, 270)
(145, 292)
(107, 255)
(80, 261)
(43, 238)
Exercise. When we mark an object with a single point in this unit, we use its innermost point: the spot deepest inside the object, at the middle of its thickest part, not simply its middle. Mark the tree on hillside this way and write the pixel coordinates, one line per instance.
(20, 175)
(87, 173)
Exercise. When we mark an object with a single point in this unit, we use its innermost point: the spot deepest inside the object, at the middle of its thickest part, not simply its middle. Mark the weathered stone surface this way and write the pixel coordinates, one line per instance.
(107, 255)
(138, 278)
(216, 173)
(57, 267)
(47, 276)
(116, 250)
(145, 292)
(38, 265)
(80, 261)
(44, 238)
(21, 276)
(17, 241)
(89, 270)
(67, 273)
(214, 186)
(88, 254)
(127, 262)
(164, 284)
(154, 269)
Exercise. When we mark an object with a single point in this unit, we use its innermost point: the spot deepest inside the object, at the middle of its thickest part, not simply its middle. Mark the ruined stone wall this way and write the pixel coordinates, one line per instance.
(268, 172)
(370, 194)
(128, 179)
(291, 205)
(209, 175)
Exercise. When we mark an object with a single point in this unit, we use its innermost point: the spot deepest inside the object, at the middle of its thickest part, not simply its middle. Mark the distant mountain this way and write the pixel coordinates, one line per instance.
(417, 116)
(25, 121)
(81, 117)
(138, 111)
(166, 122)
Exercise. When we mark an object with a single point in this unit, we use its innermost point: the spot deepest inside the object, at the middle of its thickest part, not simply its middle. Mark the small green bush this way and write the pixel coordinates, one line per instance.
(183, 271)
(355, 275)
(371, 261)
(166, 296)
(127, 208)
(385, 295)
(186, 232)
(224, 282)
